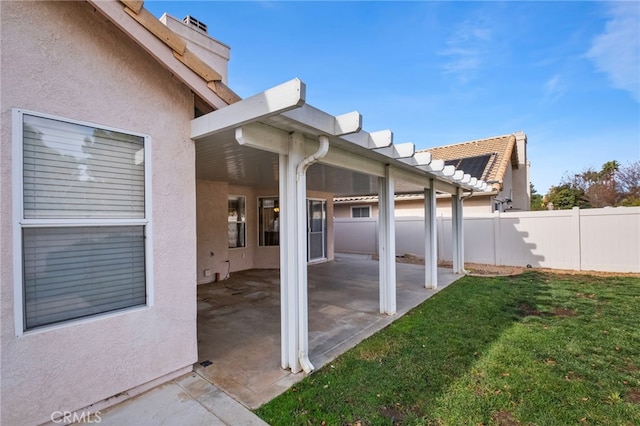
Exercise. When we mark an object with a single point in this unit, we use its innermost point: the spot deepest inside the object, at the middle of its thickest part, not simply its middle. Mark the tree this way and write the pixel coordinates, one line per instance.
(628, 180)
(566, 196)
(601, 190)
(612, 185)
(537, 200)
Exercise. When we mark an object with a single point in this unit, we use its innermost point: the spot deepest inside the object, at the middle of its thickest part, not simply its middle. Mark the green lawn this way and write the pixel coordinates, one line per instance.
(536, 348)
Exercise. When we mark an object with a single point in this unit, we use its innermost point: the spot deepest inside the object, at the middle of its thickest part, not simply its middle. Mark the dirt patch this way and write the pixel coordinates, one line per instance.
(479, 269)
(564, 312)
(483, 270)
(505, 418)
(527, 310)
(474, 269)
(592, 273)
(586, 296)
(572, 377)
(392, 414)
(633, 396)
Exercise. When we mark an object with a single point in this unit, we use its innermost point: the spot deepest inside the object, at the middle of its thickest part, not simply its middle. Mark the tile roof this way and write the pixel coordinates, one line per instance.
(374, 198)
(500, 149)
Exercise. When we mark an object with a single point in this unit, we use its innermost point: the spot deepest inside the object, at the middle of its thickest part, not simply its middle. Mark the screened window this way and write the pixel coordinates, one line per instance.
(84, 220)
(364, 211)
(269, 221)
(237, 222)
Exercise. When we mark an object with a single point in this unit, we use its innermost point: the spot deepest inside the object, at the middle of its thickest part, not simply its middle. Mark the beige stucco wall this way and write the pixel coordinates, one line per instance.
(212, 199)
(415, 208)
(520, 176)
(477, 204)
(211, 202)
(66, 60)
(507, 187)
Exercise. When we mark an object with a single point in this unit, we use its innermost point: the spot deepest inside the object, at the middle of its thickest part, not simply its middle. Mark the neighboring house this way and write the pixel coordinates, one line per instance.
(501, 161)
(131, 172)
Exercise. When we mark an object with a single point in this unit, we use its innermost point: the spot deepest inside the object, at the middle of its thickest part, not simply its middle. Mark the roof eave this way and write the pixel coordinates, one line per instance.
(115, 12)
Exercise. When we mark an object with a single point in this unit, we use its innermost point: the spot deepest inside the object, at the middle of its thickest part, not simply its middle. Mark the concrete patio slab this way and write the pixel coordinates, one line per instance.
(239, 321)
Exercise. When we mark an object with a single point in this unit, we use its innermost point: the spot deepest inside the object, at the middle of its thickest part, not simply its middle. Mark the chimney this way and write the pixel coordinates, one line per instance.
(194, 32)
(190, 20)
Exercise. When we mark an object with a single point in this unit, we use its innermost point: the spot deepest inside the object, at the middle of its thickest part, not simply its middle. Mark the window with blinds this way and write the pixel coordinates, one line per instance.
(84, 220)
(361, 211)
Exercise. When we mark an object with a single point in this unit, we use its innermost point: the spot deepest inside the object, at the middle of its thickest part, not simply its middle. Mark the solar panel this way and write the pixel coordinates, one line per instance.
(473, 165)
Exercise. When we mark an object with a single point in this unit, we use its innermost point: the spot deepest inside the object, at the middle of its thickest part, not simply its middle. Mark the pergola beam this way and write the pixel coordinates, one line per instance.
(458, 175)
(433, 166)
(317, 122)
(379, 139)
(263, 137)
(276, 100)
(402, 150)
(449, 171)
(422, 180)
(340, 158)
(418, 159)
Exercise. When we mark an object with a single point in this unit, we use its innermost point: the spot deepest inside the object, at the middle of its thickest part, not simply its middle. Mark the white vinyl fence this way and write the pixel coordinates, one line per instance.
(590, 240)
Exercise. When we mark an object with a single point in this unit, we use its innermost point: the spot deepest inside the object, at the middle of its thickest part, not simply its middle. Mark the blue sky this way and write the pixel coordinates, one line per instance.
(437, 73)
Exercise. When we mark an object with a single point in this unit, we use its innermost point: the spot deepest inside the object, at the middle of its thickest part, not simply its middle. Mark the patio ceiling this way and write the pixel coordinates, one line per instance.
(223, 159)
(240, 143)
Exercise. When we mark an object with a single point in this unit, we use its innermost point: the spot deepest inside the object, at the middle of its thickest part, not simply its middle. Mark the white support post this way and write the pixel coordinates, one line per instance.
(292, 260)
(454, 233)
(457, 240)
(430, 238)
(461, 233)
(300, 256)
(387, 244)
(285, 267)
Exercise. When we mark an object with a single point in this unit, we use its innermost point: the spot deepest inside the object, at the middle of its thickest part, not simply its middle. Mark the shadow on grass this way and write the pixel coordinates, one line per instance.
(399, 374)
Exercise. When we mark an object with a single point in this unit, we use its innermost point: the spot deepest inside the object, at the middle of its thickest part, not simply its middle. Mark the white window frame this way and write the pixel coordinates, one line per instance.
(19, 223)
(325, 231)
(361, 207)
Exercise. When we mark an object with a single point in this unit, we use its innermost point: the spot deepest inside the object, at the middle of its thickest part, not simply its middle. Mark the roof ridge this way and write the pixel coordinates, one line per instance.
(467, 142)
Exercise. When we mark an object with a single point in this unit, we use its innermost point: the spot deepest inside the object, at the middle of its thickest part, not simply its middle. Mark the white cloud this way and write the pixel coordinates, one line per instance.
(465, 50)
(616, 51)
(554, 88)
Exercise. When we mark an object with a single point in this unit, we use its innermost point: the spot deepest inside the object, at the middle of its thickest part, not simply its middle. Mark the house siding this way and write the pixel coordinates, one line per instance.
(64, 59)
